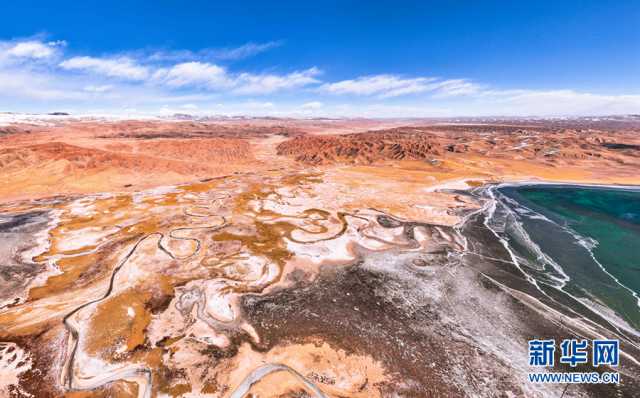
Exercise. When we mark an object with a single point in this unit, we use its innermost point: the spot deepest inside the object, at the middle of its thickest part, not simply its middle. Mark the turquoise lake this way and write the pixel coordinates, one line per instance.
(593, 234)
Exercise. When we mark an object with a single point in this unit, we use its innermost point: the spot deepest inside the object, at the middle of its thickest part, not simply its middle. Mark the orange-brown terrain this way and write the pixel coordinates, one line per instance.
(94, 156)
(284, 258)
(544, 146)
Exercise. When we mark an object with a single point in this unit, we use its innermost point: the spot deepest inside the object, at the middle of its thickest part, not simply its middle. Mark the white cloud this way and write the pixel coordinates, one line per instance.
(214, 77)
(34, 73)
(29, 52)
(455, 87)
(97, 89)
(244, 51)
(556, 102)
(384, 86)
(389, 86)
(312, 105)
(32, 49)
(194, 74)
(26, 84)
(119, 67)
(247, 83)
(210, 54)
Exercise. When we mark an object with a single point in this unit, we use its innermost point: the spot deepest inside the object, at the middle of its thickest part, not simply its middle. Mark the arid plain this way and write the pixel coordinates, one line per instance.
(282, 257)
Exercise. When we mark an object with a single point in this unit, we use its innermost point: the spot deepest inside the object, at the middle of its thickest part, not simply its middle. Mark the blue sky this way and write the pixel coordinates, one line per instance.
(341, 58)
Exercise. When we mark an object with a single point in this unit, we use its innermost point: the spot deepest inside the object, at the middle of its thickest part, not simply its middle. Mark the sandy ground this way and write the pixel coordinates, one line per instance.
(198, 259)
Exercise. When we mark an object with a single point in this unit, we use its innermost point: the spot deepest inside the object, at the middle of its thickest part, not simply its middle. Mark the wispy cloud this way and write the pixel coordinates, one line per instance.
(456, 87)
(34, 71)
(120, 67)
(42, 87)
(312, 105)
(194, 74)
(380, 85)
(245, 51)
(98, 89)
(556, 102)
(214, 77)
(389, 86)
(31, 50)
(248, 83)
